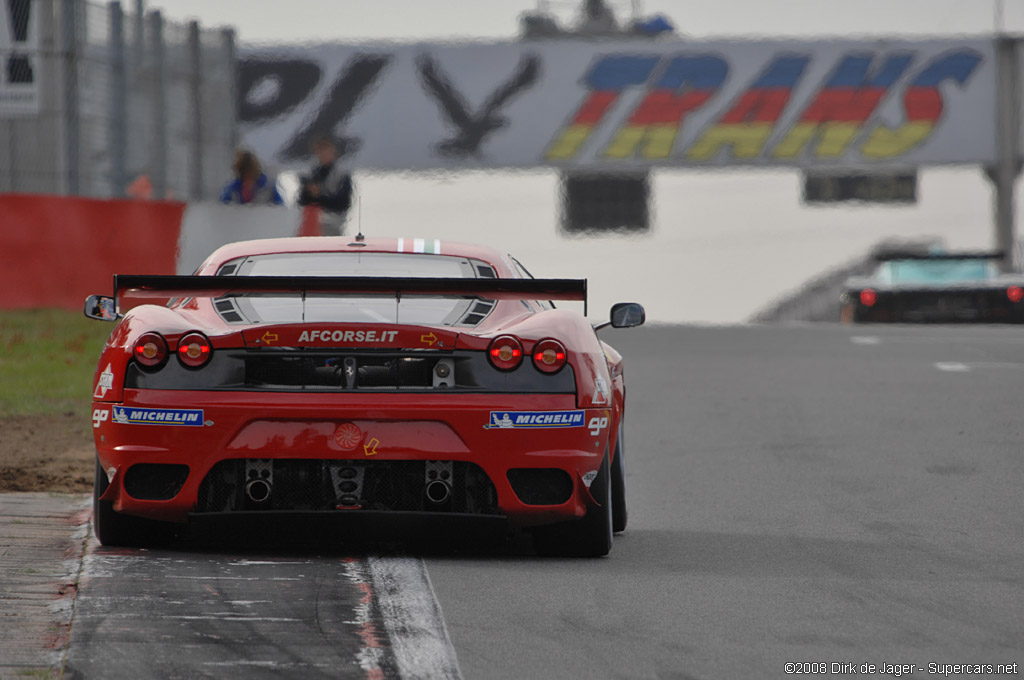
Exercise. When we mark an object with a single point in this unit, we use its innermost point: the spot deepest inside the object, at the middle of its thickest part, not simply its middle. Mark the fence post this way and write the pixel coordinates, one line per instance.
(159, 103)
(72, 122)
(195, 86)
(139, 46)
(231, 58)
(1007, 168)
(118, 103)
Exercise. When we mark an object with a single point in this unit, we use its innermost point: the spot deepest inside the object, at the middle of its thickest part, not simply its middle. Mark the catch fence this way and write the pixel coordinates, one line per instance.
(98, 101)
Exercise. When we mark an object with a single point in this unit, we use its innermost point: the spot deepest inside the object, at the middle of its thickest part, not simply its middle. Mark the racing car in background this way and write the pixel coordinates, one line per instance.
(291, 381)
(934, 287)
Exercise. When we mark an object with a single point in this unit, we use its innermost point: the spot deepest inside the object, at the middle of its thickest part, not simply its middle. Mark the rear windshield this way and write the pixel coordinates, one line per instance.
(936, 271)
(279, 308)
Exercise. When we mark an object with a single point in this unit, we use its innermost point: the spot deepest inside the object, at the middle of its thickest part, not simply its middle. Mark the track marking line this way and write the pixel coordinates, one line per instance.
(952, 366)
(865, 339)
(413, 619)
(938, 339)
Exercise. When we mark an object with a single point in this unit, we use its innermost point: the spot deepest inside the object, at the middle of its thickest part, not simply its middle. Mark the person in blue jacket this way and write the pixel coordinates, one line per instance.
(251, 185)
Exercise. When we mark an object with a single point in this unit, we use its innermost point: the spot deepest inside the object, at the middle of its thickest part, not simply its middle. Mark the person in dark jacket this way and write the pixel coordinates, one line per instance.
(328, 187)
(251, 185)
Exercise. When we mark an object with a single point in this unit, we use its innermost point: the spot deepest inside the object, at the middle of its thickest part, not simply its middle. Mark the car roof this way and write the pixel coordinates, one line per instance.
(340, 244)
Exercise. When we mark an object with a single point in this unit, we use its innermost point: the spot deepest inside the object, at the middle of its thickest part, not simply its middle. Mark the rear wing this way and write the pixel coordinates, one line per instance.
(163, 287)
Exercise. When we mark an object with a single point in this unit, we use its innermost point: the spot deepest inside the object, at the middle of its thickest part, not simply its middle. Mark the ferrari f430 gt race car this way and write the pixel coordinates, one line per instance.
(292, 381)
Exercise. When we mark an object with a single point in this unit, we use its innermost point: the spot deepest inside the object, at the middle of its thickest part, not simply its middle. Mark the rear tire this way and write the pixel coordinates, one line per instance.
(115, 529)
(589, 536)
(620, 515)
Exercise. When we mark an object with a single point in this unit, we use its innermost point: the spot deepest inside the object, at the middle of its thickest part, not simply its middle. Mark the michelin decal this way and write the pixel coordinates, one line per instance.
(507, 420)
(126, 415)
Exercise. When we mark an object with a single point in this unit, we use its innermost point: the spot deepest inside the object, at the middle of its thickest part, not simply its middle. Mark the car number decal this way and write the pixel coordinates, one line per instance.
(597, 424)
(100, 416)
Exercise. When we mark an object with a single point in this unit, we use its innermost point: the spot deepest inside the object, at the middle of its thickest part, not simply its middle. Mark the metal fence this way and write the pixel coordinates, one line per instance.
(120, 103)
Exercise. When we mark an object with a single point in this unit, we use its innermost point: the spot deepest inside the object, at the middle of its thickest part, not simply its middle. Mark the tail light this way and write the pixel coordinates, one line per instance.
(506, 352)
(1015, 293)
(150, 350)
(868, 297)
(549, 356)
(194, 350)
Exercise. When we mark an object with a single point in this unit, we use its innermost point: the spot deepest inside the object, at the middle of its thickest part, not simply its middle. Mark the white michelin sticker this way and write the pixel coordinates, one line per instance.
(105, 383)
(188, 417)
(506, 420)
(100, 416)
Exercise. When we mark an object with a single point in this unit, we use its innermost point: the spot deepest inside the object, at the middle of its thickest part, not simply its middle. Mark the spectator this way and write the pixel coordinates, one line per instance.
(141, 189)
(251, 185)
(328, 187)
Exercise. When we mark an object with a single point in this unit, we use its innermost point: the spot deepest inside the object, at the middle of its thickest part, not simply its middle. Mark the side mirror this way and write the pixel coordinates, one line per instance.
(628, 315)
(101, 308)
(624, 315)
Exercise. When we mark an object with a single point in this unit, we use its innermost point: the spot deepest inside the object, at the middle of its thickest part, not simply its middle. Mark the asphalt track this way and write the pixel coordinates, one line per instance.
(801, 494)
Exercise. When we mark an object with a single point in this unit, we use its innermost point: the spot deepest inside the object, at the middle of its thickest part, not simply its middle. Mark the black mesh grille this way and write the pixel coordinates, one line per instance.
(155, 481)
(339, 372)
(325, 485)
(541, 486)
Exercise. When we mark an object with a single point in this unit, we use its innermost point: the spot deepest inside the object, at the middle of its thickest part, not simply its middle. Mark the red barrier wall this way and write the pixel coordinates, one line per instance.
(56, 250)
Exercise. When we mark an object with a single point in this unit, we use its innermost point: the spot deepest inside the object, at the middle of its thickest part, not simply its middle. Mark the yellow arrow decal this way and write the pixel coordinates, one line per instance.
(269, 338)
(370, 448)
(428, 338)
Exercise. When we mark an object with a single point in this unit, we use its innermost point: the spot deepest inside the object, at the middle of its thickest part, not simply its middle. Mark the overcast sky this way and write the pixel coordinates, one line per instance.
(292, 21)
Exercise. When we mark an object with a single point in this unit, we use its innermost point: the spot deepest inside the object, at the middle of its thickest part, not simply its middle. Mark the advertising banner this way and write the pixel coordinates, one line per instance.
(627, 104)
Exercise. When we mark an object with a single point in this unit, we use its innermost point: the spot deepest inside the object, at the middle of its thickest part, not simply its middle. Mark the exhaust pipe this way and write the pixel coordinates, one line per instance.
(438, 491)
(258, 490)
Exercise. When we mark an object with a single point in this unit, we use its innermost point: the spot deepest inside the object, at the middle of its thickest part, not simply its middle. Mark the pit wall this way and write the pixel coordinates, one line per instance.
(56, 250)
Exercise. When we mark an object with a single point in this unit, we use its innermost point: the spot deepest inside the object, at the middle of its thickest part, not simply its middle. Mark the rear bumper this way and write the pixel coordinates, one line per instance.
(950, 307)
(201, 429)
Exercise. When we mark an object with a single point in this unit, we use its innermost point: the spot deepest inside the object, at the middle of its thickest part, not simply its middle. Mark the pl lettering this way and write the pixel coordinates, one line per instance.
(271, 88)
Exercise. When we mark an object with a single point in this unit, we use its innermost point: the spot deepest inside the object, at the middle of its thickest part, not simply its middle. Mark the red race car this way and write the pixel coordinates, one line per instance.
(295, 381)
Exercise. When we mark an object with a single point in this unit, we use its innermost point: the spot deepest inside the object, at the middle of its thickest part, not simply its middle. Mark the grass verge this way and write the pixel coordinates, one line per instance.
(47, 361)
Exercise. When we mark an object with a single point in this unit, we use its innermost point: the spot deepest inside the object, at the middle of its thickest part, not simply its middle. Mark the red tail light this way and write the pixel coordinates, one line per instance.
(549, 356)
(150, 349)
(506, 352)
(194, 350)
(868, 297)
(1015, 293)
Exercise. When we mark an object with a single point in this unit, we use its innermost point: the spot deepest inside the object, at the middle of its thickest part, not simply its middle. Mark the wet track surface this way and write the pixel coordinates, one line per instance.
(797, 494)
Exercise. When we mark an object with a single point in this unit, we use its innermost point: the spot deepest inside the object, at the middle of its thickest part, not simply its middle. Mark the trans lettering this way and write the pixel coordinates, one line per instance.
(841, 116)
